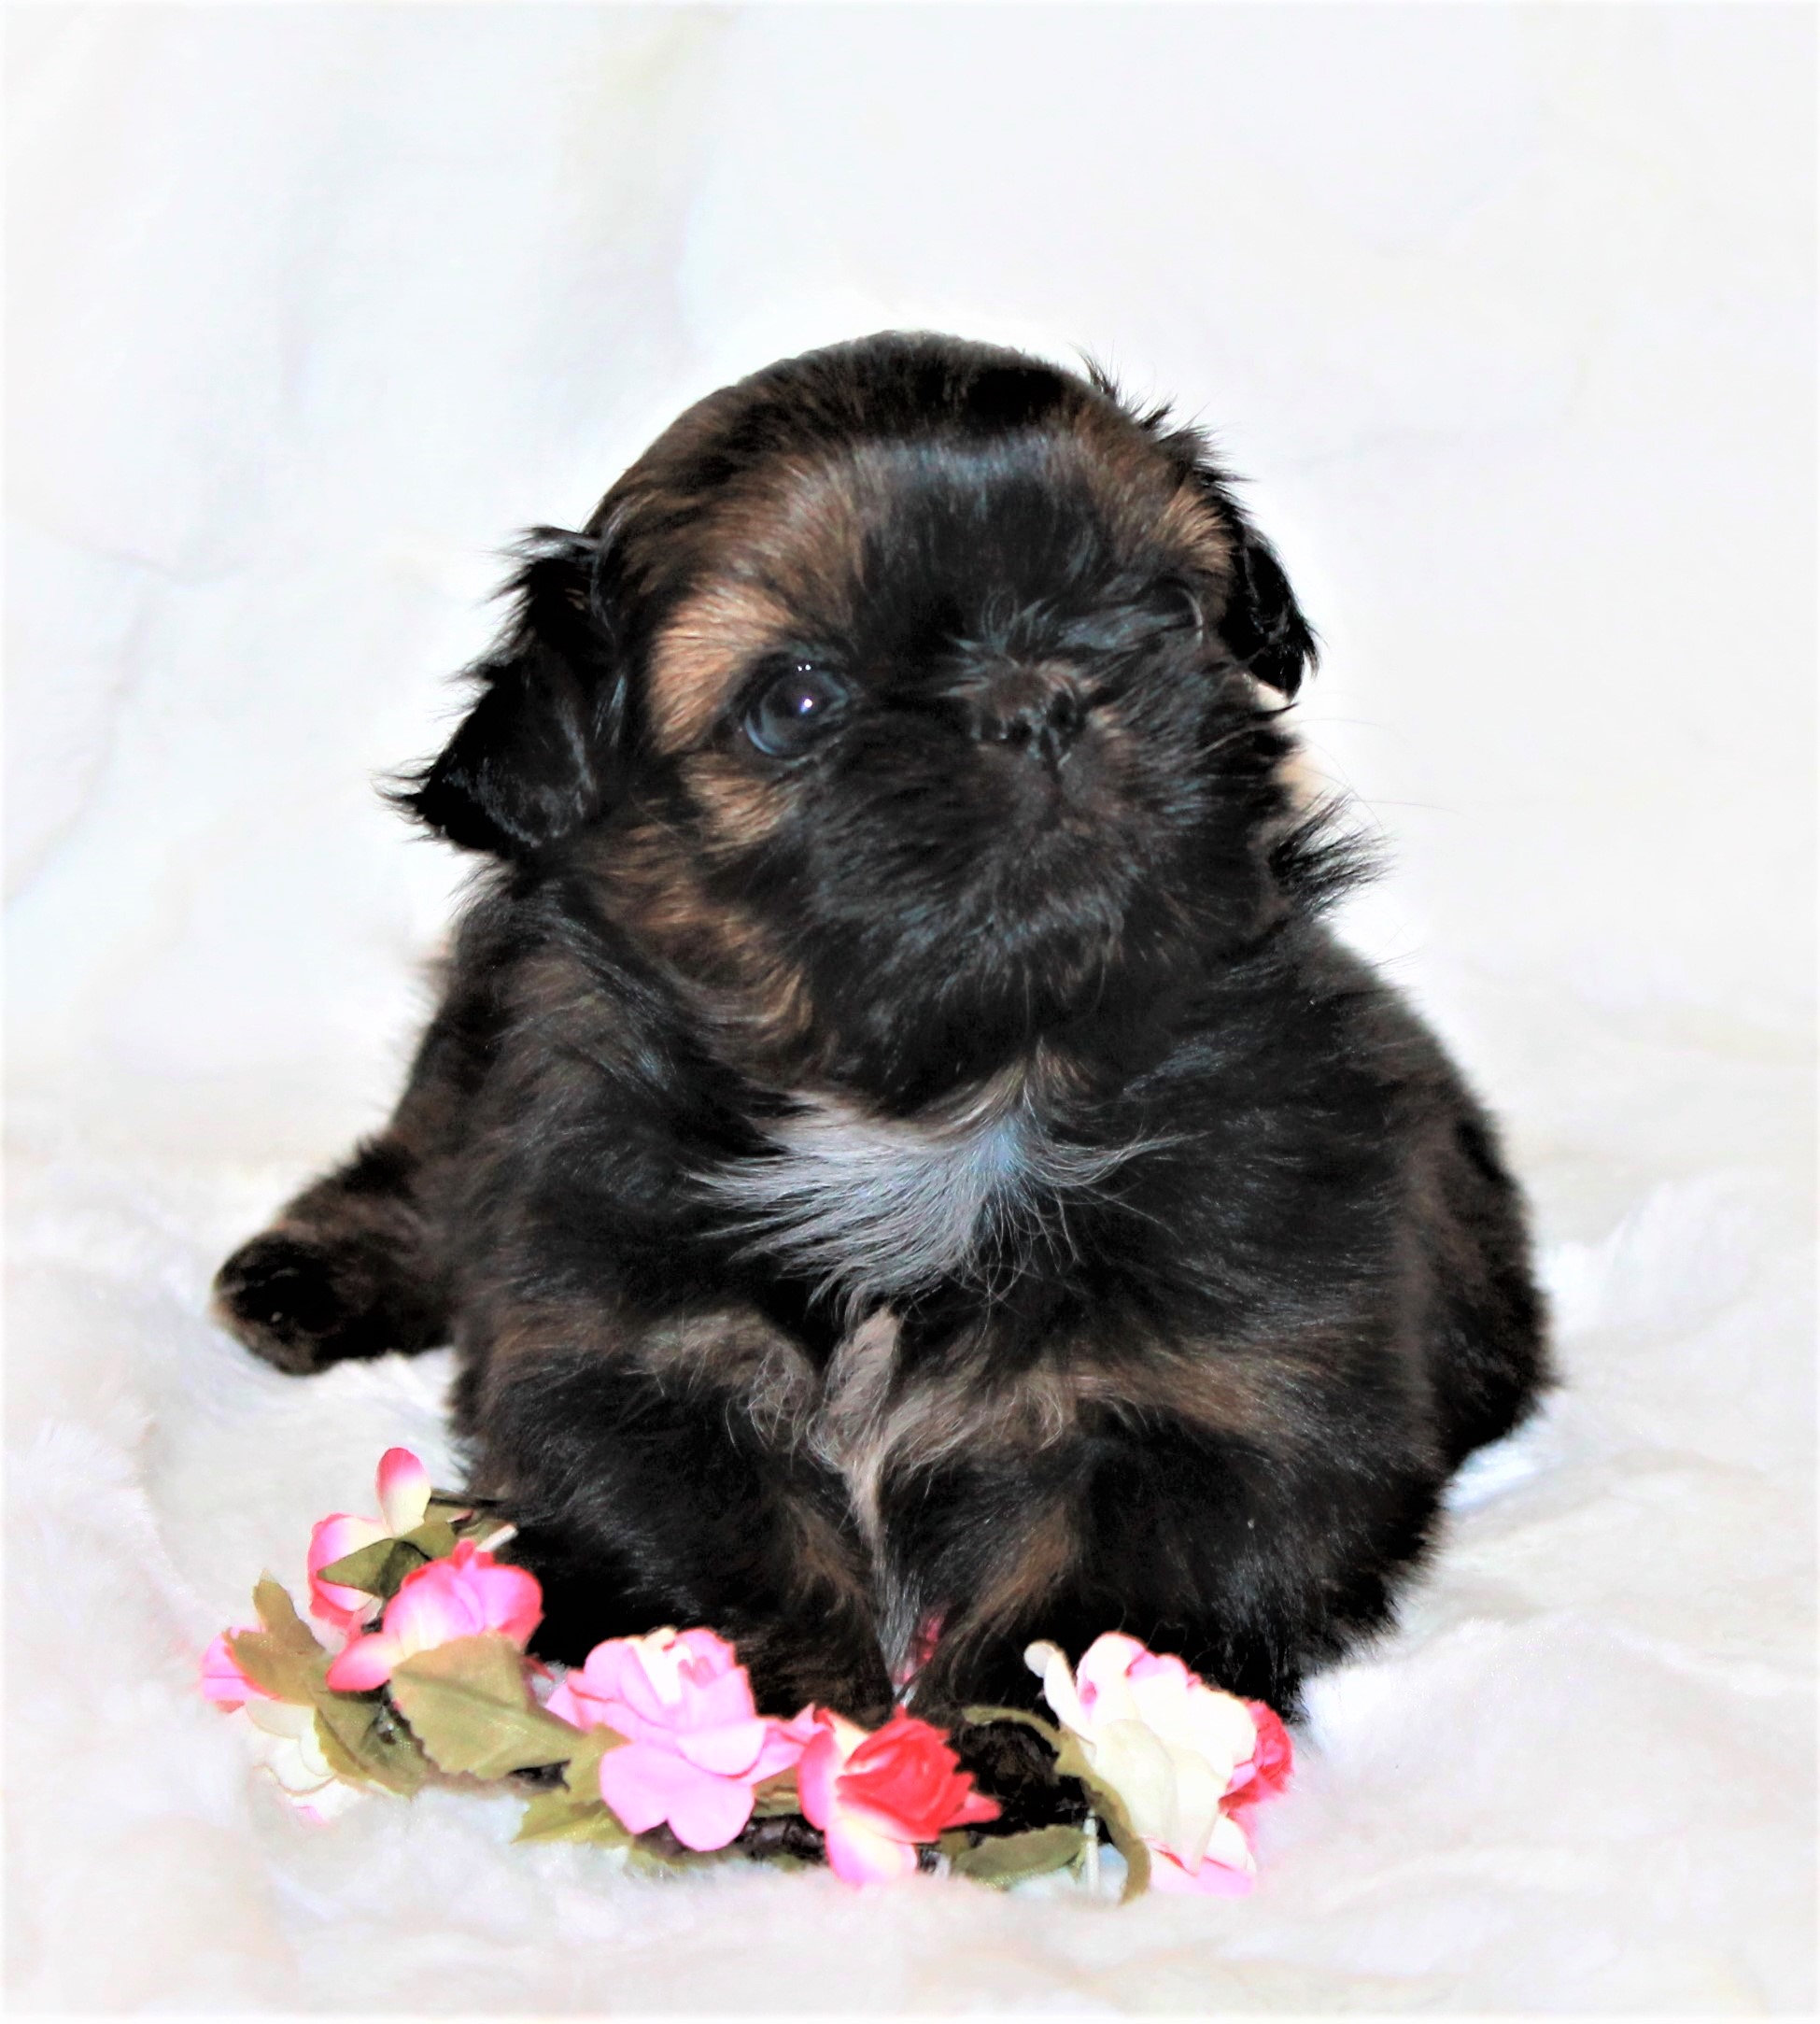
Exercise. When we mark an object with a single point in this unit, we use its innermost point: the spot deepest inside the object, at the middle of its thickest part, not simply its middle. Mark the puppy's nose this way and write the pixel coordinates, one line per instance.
(1038, 708)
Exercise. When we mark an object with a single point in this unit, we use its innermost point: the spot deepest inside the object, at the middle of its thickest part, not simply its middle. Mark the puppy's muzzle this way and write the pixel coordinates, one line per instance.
(1036, 708)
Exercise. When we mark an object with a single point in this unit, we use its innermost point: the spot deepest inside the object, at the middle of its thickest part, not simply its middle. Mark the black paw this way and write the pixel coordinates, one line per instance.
(1013, 1765)
(282, 1296)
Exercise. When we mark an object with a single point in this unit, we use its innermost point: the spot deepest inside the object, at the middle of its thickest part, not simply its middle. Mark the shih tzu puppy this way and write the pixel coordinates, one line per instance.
(902, 1161)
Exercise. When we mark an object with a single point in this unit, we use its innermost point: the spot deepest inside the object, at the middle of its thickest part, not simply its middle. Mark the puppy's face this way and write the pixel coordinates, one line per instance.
(915, 687)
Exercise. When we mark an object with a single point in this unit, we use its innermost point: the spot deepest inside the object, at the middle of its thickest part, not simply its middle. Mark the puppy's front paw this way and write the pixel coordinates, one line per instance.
(283, 1297)
(1013, 1765)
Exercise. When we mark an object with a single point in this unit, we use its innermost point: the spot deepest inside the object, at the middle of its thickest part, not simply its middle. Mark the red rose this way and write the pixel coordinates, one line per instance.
(906, 1775)
(876, 1796)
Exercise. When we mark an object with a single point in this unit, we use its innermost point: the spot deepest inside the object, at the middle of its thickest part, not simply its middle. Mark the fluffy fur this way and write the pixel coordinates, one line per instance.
(898, 1145)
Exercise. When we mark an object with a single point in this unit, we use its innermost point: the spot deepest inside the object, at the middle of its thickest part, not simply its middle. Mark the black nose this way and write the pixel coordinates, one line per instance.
(1038, 708)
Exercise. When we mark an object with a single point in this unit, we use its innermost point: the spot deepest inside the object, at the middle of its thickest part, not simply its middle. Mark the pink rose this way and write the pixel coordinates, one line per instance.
(695, 1743)
(222, 1681)
(465, 1595)
(875, 1797)
(403, 1488)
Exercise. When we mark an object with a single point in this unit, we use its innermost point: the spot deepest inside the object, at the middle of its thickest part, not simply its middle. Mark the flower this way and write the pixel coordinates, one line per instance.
(875, 1796)
(1268, 1770)
(694, 1744)
(403, 1488)
(222, 1680)
(294, 1757)
(465, 1595)
(1189, 1762)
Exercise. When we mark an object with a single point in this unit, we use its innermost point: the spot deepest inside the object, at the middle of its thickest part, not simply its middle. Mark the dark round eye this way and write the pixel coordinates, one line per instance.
(793, 709)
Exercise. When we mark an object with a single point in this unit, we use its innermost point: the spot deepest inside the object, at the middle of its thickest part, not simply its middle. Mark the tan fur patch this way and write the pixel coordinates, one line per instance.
(1189, 524)
(740, 808)
(737, 1351)
(716, 950)
(699, 653)
(785, 556)
(1144, 495)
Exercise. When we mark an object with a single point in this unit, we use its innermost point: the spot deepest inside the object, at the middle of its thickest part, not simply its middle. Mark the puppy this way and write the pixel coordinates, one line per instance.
(904, 1165)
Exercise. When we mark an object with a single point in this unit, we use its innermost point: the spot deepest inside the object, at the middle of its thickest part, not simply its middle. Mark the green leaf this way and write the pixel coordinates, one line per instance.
(1124, 1837)
(379, 1747)
(1004, 1860)
(378, 1569)
(581, 1772)
(434, 1538)
(565, 1816)
(284, 1657)
(341, 1760)
(776, 1795)
(469, 1708)
(278, 1614)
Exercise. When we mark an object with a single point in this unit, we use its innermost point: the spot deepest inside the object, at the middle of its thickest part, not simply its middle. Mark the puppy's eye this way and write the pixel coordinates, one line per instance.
(793, 709)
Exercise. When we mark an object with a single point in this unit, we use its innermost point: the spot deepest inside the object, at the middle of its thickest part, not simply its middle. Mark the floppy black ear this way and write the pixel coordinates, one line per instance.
(1262, 626)
(540, 751)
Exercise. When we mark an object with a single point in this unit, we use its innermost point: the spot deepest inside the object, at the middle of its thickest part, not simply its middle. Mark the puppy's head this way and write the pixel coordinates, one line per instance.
(912, 696)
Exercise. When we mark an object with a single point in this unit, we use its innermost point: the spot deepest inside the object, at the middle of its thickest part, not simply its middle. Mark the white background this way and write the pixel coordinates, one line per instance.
(1508, 315)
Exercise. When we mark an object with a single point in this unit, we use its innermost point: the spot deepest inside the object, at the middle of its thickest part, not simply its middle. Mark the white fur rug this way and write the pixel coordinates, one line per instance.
(1511, 312)
(1580, 1777)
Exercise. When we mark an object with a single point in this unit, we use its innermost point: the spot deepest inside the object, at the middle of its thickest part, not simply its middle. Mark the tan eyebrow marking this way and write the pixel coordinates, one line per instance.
(717, 631)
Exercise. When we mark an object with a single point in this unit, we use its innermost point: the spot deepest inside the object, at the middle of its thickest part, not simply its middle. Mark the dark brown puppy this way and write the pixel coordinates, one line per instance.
(898, 1147)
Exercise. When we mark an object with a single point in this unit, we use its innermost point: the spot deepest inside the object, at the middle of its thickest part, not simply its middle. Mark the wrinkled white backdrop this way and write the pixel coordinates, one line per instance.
(1509, 314)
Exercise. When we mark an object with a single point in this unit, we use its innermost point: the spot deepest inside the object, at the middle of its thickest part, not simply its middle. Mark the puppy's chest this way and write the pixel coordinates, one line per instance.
(877, 1207)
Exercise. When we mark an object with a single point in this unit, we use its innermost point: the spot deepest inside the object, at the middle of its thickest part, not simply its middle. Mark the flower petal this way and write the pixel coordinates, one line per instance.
(817, 1770)
(644, 1784)
(1103, 1678)
(1050, 1665)
(222, 1680)
(858, 1854)
(730, 1751)
(366, 1663)
(331, 1538)
(784, 1743)
(1138, 1765)
(403, 1489)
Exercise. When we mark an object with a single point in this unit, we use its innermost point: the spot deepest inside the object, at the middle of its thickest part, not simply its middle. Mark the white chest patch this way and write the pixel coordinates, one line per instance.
(877, 1207)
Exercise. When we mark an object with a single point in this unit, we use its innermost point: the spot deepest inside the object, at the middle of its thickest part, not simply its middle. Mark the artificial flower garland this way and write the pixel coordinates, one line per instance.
(655, 1746)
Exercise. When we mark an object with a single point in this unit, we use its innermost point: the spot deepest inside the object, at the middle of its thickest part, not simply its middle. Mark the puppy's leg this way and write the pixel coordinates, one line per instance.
(657, 1478)
(1253, 1560)
(353, 1267)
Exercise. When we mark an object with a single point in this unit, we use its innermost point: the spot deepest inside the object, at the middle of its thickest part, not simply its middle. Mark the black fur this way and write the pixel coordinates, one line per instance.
(1205, 1375)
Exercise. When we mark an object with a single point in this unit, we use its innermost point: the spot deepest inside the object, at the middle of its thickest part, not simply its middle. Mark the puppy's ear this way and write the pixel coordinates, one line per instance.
(1262, 626)
(541, 750)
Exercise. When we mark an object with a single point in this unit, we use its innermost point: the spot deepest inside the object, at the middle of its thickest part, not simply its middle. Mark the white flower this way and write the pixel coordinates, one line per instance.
(293, 1756)
(1167, 1744)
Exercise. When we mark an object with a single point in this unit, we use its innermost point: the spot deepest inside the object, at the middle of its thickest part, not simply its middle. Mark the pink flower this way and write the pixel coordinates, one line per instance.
(921, 1649)
(222, 1681)
(1189, 1762)
(463, 1596)
(403, 1487)
(695, 1743)
(1268, 1770)
(875, 1797)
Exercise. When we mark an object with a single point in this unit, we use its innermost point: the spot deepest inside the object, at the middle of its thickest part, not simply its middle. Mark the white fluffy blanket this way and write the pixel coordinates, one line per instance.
(322, 302)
